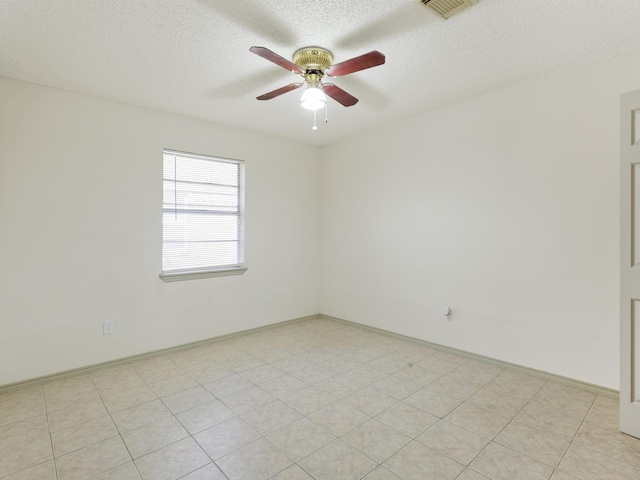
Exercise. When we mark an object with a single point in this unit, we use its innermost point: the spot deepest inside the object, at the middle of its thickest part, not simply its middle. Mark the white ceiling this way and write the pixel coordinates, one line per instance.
(191, 57)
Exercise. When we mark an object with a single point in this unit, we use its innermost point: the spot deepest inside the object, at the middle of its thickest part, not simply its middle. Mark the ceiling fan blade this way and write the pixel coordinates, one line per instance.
(368, 60)
(279, 91)
(339, 95)
(277, 59)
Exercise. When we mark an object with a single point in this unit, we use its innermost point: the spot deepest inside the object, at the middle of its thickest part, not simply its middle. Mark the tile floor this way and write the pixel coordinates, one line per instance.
(311, 400)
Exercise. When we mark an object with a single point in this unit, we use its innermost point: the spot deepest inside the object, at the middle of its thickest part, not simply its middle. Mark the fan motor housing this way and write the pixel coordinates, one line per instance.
(313, 59)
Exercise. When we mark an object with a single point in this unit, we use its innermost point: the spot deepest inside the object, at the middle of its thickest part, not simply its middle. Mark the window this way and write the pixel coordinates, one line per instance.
(202, 216)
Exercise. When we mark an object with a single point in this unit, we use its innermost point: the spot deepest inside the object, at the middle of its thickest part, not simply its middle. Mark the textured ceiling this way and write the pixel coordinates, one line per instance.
(192, 57)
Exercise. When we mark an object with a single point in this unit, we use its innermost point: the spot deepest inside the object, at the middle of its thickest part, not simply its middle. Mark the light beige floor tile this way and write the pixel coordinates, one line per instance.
(126, 379)
(259, 460)
(337, 461)
(515, 384)
(291, 363)
(498, 403)
(83, 435)
(338, 386)
(205, 416)
(382, 473)
(140, 415)
(415, 459)
(453, 387)
(389, 363)
(340, 364)
(307, 400)
(453, 441)
(226, 437)
(208, 472)
(173, 461)
(171, 385)
(558, 475)
(605, 401)
(128, 398)
(21, 432)
(261, 374)
(415, 373)
(209, 373)
(244, 363)
(76, 415)
(93, 460)
(313, 374)
(21, 404)
(476, 372)
(247, 399)
(396, 387)
(536, 444)
(294, 472)
(610, 442)
(271, 416)
(338, 418)
(25, 451)
(477, 420)
(554, 422)
(187, 399)
(432, 402)
(604, 416)
(562, 401)
(154, 436)
(586, 464)
(69, 392)
(151, 374)
(501, 463)
(376, 440)
(369, 401)
(407, 419)
(44, 471)
(469, 474)
(128, 471)
(282, 385)
(365, 375)
(564, 393)
(300, 439)
(228, 385)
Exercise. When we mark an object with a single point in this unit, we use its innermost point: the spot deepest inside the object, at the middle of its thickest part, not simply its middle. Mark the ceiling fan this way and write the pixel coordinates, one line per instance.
(313, 63)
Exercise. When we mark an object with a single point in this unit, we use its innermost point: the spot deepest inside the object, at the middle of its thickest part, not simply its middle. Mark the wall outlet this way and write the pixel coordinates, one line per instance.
(265, 300)
(108, 327)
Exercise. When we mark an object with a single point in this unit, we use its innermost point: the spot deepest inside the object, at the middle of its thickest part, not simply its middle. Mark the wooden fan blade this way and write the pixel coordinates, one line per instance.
(279, 91)
(368, 60)
(339, 95)
(277, 59)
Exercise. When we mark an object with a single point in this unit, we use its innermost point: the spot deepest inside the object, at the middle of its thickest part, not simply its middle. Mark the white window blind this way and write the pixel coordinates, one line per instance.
(202, 213)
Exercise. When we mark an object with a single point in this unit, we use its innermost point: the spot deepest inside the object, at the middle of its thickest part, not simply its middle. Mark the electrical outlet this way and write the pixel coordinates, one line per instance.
(265, 300)
(108, 327)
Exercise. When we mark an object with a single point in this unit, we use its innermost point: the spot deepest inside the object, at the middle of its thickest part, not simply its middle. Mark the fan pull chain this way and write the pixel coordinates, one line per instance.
(326, 113)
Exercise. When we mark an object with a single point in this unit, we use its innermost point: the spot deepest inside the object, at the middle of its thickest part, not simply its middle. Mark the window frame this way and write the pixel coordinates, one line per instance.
(209, 271)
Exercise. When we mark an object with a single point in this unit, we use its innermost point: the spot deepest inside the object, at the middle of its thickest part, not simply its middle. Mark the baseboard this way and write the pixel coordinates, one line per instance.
(608, 392)
(142, 356)
(570, 382)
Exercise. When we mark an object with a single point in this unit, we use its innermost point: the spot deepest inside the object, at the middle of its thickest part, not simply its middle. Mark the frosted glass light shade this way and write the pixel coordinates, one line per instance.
(313, 98)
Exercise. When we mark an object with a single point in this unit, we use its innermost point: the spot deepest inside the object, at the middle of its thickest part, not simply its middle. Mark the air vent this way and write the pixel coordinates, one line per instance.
(448, 8)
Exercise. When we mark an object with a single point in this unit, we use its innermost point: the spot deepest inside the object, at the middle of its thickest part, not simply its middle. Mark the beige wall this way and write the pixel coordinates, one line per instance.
(80, 220)
(505, 208)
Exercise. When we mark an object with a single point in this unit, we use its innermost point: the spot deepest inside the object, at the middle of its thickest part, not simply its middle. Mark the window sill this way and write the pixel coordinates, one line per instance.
(180, 276)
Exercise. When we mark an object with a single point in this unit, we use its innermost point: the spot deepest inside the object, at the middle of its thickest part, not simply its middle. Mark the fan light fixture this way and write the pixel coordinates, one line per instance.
(313, 98)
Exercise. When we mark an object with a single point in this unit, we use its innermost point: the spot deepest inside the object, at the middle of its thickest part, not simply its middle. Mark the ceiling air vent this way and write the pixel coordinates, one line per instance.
(448, 8)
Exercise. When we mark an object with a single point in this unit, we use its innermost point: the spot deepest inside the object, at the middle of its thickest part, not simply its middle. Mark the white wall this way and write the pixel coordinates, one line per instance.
(80, 232)
(505, 208)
